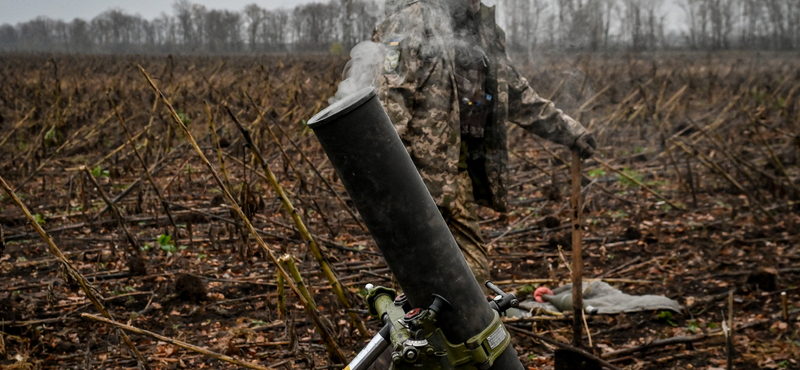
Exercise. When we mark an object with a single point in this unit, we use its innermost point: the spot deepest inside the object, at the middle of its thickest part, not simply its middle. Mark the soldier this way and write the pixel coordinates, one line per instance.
(449, 88)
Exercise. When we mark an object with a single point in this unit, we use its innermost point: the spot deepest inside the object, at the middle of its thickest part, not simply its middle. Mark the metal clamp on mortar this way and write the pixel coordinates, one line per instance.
(418, 342)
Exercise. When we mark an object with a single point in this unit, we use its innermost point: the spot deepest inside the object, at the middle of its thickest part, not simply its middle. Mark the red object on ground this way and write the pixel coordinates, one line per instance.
(540, 291)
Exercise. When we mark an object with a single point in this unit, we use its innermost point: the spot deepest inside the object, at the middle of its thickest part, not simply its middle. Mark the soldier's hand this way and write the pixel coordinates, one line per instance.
(585, 145)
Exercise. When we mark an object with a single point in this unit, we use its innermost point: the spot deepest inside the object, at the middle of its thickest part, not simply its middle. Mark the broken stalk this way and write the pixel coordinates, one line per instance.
(72, 273)
(328, 339)
(327, 270)
(144, 167)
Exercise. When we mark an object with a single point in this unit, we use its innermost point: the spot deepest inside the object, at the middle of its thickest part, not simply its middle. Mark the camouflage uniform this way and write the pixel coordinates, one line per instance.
(461, 163)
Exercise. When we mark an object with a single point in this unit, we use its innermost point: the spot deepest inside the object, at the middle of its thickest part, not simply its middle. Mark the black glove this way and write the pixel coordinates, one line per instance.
(585, 145)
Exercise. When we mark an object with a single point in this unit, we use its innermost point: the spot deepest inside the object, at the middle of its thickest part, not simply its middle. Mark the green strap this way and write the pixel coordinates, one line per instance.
(482, 349)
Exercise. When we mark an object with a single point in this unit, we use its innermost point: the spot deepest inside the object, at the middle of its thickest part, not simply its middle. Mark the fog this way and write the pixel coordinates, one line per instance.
(16, 11)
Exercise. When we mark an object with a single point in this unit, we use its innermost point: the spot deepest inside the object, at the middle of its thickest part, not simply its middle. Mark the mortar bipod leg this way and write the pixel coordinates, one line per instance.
(379, 343)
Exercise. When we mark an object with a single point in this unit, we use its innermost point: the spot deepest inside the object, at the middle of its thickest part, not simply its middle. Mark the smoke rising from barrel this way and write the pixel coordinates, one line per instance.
(367, 59)
(362, 70)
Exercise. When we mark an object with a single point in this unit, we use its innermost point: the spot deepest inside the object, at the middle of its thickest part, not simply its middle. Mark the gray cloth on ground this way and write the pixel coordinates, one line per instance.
(605, 299)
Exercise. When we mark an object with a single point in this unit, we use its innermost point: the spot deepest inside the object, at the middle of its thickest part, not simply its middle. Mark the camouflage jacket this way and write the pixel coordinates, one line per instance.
(418, 90)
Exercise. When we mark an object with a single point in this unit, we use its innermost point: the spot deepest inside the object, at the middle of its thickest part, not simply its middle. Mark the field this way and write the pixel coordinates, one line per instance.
(694, 195)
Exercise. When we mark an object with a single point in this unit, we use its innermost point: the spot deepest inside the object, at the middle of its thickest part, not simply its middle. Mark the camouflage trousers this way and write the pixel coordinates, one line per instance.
(462, 219)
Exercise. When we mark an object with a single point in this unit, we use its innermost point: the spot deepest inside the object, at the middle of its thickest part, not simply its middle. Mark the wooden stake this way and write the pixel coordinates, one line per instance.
(577, 254)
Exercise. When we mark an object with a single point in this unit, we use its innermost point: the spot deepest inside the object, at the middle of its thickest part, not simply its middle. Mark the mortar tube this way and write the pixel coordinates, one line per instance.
(398, 210)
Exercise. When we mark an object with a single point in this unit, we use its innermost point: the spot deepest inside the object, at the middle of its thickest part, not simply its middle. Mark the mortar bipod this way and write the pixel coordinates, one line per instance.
(416, 340)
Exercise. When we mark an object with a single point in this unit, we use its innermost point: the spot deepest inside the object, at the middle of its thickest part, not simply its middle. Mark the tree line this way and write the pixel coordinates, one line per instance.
(335, 26)
(642, 24)
(193, 28)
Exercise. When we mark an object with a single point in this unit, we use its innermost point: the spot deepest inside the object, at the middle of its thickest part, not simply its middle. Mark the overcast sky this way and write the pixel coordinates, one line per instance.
(15, 11)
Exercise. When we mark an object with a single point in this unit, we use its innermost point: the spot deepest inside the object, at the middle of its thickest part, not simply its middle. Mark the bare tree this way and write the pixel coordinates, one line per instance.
(315, 25)
(523, 23)
(165, 31)
(793, 15)
(750, 19)
(199, 14)
(783, 16)
(255, 17)
(222, 31)
(592, 23)
(697, 20)
(80, 39)
(365, 15)
(274, 32)
(723, 18)
(8, 37)
(711, 22)
(643, 23)
(571, 24)
(36, 34)
(512, 23)
(183, 13)
(346, 10)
